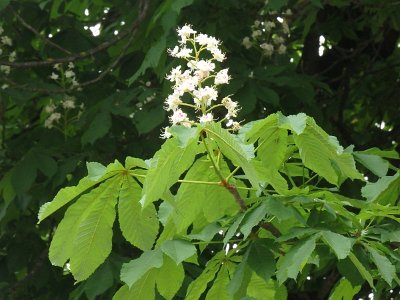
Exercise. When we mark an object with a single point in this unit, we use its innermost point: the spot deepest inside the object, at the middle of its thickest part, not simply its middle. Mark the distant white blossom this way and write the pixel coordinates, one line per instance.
(54, 76)
(5, 69)
(166, 134)
(5, 40)
(206, 118)
(222, 77)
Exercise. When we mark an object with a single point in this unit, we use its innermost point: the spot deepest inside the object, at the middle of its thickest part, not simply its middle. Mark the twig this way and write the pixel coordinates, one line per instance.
(90, 52)
(30, 28)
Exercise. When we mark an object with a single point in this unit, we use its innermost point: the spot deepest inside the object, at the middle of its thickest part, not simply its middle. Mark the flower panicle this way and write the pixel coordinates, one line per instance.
(195, 84)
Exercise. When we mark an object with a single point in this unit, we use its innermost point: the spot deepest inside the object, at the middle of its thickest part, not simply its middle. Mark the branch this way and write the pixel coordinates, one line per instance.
(76, 56)
(37, 33)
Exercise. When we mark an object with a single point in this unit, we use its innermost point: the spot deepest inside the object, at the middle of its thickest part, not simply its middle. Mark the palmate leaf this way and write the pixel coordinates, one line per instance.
(385, 267)
(139, 226)
(344, 290)
(169, 278)
(261, 260)
(192, 200)
(84, 235)
(143, 288)
(134, 270)
(258, 288)
(361, 269)
(178, 250)
(166, 167)
(295, 259)
(219, 289)
(235, 149)
(385, 190)
(199, 285)
(340, 244)
(322, 154)
(65, 195)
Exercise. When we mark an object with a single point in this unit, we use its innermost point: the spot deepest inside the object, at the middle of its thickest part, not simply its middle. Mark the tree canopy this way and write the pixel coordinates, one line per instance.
(288, 189)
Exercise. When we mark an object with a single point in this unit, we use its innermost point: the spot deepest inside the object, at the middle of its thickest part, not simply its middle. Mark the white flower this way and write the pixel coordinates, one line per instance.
(188, 84)
(54, 117)
(68, 103)
(148, 83)
(173, 52)
(178, 117)
(256, 33)
(282, 49)
(235, 125)
(71, 65)
(57, 67)
(4, 86)
(5, 40)
(5, 69)
(206, 118)
(278, 39)
(69, 74)
(202, 39)
(50, 108)
(172, 102)
(232, 107)
(212, 43)
(269, 25)
(166, 134)
(204, 68)
(285, 27)
(54, 76)
(268, 49)
(204, 96)
(247, 43)
(222, 77)
(257, 23)
(12, 56)
(217, 54)
(74, 82)
(175, 74)
(184, 53)
(184, 33)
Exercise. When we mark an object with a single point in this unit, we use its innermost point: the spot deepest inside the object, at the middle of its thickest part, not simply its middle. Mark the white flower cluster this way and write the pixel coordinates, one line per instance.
(56, 111)
(65, 77)
(5, 50)
(196, 87)
(269, 33)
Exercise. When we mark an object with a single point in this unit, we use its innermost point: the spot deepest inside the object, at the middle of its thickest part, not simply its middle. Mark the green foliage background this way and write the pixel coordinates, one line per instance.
(351, 91)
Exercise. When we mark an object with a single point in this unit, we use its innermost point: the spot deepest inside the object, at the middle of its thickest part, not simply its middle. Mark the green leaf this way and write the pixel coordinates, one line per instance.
(234, 228)
(84, 234)
(296, 123)
(98, 128)
(374, 163)
(207, 233)
(258, 288)
(151, 59)
(3, 4)
(340, 244)
(93, 240)
(199, 285)
(142, 289)
(149, 118)
(139, 226)
(276, 208)
(240, 279)
(95, 170)
(385, 190)
(295, 259)
(184, 134)
(131, 162)
(219, 289)
(166, 167)
(385, 267)
(361, 269)
(178, 250)
(322, 154)
(65, 195)
(344, 290)
(235, 149)
(134, 270)
(169, 278)
(252, 218)
(45, 163)
(261, 260)
(194, 200)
